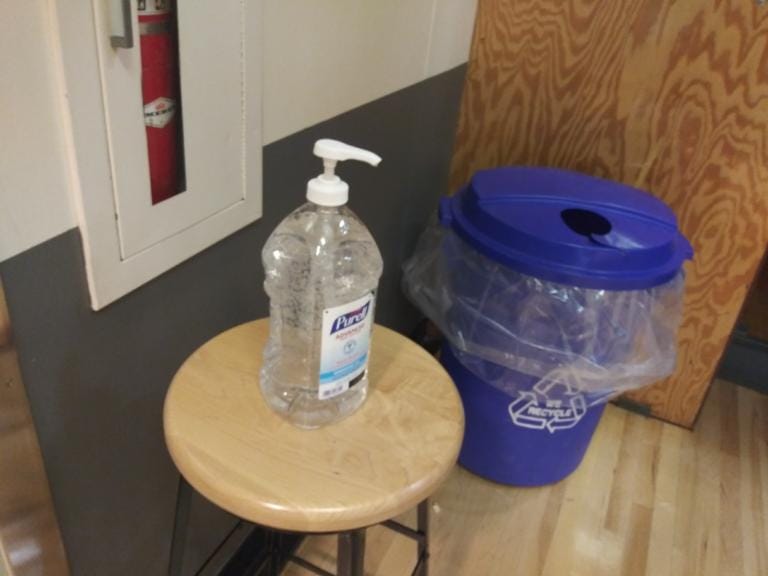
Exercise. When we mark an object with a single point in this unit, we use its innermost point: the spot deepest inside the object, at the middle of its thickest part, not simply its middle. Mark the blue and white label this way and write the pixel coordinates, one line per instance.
(344, 346)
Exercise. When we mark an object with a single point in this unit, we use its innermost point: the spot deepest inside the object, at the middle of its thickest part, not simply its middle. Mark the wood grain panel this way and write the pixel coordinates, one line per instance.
(30, 541)
(667, 95)
(649, 499)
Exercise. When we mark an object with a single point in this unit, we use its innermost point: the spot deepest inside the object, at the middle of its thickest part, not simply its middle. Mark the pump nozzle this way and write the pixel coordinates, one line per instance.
(328, 189)
(328, 149)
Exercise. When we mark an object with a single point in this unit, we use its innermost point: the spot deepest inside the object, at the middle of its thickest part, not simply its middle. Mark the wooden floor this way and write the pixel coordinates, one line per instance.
(649, 499)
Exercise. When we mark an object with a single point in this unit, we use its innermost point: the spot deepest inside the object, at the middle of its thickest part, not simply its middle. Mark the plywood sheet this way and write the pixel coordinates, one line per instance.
(670, 96)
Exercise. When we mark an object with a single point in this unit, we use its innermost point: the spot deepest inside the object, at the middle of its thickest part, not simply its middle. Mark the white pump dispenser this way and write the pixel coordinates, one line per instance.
(328, 189)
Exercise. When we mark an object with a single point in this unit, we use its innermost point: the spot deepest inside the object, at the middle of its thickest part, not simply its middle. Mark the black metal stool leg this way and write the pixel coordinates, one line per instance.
(423, 527)
(351, 553)
(273, 546)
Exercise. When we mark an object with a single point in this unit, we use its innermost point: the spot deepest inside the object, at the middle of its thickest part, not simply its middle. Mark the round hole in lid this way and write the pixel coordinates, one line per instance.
(585, 222)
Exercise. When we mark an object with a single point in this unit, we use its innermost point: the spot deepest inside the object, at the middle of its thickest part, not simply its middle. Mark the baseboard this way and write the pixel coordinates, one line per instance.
(745, 362)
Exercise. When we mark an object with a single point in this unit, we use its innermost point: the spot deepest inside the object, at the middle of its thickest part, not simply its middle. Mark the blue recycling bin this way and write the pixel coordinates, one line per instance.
(527, 440)
(555, 237)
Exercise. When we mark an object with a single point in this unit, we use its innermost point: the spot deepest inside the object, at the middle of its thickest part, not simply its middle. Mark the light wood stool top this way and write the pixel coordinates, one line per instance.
(377, 463)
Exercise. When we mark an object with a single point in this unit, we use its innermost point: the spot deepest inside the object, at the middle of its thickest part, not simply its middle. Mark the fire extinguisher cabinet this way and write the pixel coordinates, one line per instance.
(165, 101)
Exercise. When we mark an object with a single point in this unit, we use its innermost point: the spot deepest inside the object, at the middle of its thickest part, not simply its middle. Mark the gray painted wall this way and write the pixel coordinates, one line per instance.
(96, 381)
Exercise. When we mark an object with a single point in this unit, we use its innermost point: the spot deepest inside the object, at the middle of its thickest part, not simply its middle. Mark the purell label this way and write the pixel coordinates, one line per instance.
(344, 346)
(351, 318)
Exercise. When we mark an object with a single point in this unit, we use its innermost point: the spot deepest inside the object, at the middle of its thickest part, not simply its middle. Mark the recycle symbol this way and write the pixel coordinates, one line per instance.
(551, 405)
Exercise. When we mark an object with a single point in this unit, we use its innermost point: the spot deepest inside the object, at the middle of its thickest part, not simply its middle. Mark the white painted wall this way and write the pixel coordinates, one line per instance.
(452, 30)
(34, 199)
(322, 58)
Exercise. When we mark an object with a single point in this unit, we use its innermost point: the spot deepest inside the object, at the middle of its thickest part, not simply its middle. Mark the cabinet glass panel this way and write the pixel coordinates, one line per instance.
(161, 97)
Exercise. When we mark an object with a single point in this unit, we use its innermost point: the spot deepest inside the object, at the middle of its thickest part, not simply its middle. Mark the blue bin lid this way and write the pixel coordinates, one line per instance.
(569, 228)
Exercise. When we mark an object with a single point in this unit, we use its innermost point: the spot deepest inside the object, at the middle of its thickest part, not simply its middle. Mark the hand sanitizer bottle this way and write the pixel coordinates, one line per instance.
(322, 268)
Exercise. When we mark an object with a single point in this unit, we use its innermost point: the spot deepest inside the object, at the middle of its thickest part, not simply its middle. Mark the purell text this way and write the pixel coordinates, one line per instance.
(350, 318)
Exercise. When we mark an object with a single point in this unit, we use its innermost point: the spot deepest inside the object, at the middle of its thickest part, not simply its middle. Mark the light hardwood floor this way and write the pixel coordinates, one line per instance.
(649, 499)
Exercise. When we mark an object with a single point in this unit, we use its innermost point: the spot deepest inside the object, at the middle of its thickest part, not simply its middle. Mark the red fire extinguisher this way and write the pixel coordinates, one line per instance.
(160, 90)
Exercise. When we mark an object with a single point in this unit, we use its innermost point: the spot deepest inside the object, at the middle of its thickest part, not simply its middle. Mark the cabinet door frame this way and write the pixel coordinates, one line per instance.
(112, 271)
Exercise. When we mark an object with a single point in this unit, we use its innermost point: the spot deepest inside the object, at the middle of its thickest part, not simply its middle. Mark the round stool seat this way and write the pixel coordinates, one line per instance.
(379, 462)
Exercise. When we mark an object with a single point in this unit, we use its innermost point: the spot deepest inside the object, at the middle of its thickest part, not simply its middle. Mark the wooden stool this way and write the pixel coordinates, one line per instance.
(386, 458)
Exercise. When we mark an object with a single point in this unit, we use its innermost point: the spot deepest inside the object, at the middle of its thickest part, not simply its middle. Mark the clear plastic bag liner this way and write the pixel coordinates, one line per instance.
(598, 342)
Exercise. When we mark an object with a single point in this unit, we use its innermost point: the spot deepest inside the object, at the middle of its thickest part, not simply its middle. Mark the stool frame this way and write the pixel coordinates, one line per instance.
(350, 559)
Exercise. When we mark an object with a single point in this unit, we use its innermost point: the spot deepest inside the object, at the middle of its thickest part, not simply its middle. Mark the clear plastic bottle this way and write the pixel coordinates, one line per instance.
(322, 269)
